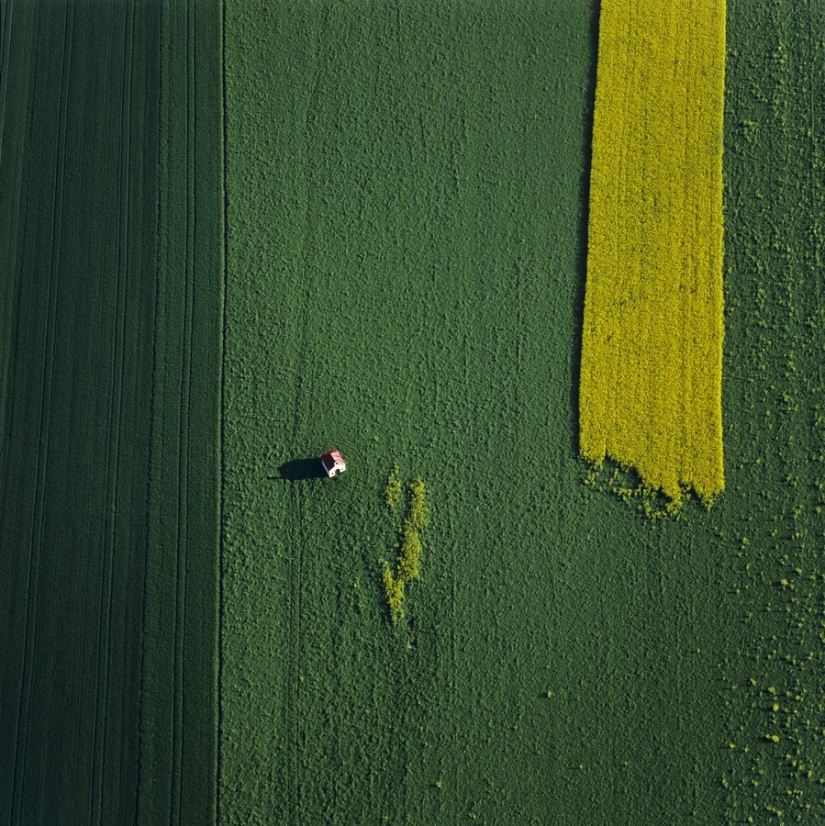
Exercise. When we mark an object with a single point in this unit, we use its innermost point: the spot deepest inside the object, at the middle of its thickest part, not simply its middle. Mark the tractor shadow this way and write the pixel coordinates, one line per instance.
(297, 470)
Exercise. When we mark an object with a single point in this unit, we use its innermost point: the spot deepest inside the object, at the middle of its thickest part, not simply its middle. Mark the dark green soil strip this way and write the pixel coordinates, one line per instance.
(110, 314)
(179, 746)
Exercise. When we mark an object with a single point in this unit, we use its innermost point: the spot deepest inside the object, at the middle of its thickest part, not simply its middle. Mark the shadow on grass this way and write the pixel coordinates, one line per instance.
(581, 268)
(297, 470)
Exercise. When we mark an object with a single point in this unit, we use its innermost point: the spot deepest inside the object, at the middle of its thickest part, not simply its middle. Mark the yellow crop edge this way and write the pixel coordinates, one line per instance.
(651, 375)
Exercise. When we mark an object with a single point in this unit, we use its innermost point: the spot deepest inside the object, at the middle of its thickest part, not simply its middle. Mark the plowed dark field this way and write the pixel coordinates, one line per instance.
(110, 345)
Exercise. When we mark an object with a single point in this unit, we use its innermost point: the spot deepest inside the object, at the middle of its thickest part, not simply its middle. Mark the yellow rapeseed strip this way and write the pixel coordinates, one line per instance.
(651, 375)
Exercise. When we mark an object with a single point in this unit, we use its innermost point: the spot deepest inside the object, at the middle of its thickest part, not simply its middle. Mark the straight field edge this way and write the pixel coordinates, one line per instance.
(651, 369)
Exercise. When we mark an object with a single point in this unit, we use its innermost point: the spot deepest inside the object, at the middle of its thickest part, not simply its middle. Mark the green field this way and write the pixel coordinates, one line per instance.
(240, 234)
(111, 301)
(775, 440)
(406, 247)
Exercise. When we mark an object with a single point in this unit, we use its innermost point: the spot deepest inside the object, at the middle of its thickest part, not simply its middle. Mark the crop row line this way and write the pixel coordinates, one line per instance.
(180, 688)
(113, 458)
(292, 719)
(157, 708)
(6, 26)
(39, 505)
(11, 164)
(18, 31)
(185, 445)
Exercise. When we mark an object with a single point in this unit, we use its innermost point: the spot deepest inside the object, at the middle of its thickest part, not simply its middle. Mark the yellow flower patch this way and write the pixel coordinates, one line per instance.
(652, 338)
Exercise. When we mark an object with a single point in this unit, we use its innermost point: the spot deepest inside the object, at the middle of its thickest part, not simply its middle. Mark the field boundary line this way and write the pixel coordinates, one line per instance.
(224, 240)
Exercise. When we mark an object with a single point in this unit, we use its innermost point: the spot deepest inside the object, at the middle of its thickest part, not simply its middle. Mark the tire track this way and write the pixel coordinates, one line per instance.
(6, 27)
(12, 156)
(114, 455)
(185, 435)
(179, 716)
(104, 618)
(36, 532)
(296, 572)
(159, 719)
(12, 175)
(148, 720)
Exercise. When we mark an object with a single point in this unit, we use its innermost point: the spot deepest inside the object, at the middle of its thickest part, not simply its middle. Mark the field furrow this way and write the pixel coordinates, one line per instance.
(16, 84)
(101, 330)
(52, 223)
(108, 740)
(180, 620)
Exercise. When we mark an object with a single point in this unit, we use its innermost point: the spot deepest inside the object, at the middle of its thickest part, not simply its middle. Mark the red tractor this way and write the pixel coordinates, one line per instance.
(333, 463)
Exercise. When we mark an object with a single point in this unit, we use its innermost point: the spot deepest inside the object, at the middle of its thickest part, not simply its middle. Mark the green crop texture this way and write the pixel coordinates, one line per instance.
(775, 159)
(238, 235)
(110, 348)
(407, 186)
